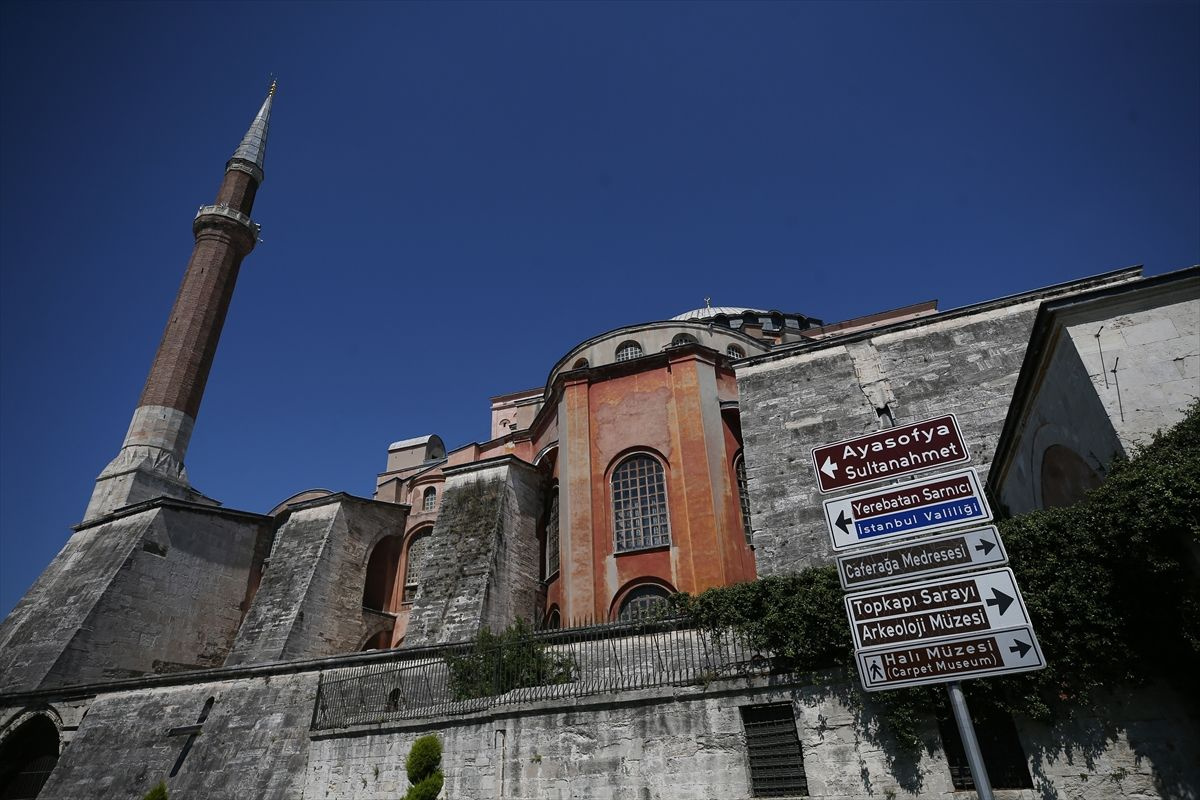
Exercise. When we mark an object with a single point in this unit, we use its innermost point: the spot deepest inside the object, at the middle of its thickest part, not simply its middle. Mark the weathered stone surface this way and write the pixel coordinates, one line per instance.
(964, 362)
(309, 603)
(157, 590)
(482, 562)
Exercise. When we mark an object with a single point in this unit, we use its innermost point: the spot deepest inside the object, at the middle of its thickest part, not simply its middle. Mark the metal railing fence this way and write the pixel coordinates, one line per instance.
(506, 669)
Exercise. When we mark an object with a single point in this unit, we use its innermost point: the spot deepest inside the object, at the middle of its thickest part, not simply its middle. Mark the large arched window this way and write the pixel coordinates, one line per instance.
(643, 602)
(739, 469)
(629, 350)
(429, 499)
(552, 557)
(639, 498)
(414, 563)
(27, 757)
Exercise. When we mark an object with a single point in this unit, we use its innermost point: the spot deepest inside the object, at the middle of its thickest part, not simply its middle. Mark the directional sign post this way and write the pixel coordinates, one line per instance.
(924, 612)
(922, 558)
(889, 453)
(973, 656)
(931, 504)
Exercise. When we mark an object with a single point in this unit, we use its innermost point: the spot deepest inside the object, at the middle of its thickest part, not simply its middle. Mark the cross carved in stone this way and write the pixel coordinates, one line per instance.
(191, 732)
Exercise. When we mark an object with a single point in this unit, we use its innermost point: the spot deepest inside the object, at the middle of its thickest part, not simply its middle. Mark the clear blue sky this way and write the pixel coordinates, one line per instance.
(458, 193)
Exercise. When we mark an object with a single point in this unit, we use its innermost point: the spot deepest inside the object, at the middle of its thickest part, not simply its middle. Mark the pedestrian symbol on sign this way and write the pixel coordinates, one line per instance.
(875, 667)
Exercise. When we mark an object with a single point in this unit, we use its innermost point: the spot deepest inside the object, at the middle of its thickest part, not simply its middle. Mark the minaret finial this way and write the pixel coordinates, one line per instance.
(708, 302)
(271, 88)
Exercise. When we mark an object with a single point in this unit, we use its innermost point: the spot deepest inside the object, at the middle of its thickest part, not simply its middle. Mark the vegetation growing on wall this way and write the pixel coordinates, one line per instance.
(1111, 584)
(423, 767)
(499, 663)
(159, 792)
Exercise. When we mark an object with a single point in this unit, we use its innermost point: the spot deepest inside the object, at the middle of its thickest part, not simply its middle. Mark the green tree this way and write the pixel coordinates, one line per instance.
(499, 663)
(159, 792)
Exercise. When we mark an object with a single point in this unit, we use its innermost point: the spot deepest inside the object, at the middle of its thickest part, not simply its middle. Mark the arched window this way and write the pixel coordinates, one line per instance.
(1066, 477)
(628, 351)
(380, 587)
(553, 620)
(733, 351)
(580, 364)
(639, 498)
(429, 499)
(682, 339)
(27, 757)
(739, 469)
(418, 553)
(552, 565)
(643, 602)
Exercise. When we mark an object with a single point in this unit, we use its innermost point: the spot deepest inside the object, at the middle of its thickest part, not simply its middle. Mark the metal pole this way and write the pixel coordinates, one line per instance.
(966, 731)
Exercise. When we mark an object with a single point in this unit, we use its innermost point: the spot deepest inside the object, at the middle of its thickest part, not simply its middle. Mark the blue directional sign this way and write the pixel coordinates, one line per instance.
(949, 500)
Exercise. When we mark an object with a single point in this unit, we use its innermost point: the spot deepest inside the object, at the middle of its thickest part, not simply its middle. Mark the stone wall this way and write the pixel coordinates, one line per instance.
(309, 603)
(157, 588)
(683, 742)
(964, 362)
(481, 567)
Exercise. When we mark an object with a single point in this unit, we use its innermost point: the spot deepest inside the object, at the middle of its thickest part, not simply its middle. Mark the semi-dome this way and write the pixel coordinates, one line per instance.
(708, 312)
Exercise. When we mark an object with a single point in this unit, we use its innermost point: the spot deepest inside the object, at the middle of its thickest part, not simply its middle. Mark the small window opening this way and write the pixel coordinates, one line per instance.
(628, 351)
(553, 620)
(682, 339)
(773, 749)
(733, 351)
(1002, 753)
(429, 499)
(580, 364)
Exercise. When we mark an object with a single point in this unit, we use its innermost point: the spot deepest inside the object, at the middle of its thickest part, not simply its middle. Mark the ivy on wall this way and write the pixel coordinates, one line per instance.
(1111, 584)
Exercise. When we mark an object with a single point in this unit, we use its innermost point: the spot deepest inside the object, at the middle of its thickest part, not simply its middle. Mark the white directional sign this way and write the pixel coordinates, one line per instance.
(922, 558)
(902, 510)
(931, 610)
(953, 659)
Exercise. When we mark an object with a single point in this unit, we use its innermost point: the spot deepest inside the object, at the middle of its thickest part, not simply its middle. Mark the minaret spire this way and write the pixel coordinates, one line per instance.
(150, 462)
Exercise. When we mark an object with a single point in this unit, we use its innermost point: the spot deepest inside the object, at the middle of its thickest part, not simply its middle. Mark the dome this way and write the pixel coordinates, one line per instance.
(708, 312)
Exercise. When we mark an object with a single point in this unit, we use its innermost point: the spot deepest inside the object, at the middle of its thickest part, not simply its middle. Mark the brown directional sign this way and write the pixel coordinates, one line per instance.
(889, 453)
(921, 612)
(923, 558)
(952, 659)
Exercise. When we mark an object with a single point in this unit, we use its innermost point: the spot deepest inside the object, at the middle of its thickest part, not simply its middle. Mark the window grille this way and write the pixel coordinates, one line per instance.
(429, 499)
(418, 551)
(776, 763)
(639, 497)
(552, 536)
(733, 351)
(998, 742)
(739, 468)
(642, 603)
(628, 351)
(683, 338)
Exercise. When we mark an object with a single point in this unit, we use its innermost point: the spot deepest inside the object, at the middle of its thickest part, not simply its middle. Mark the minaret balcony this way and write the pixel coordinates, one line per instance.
(219, 214)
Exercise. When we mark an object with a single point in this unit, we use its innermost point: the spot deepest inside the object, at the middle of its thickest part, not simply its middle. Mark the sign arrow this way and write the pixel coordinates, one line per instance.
(1019, 647)
(1000, 600)
(829, 468)
(843, 522)
(986, 547)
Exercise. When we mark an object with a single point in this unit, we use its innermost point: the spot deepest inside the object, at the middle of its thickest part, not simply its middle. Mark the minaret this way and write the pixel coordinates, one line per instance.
(150, 462)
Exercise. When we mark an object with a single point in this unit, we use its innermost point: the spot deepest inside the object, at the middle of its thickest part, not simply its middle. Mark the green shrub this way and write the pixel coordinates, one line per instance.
(422, 767)
(424, 758)
(499, 663)
(427, 789)
(159, 792)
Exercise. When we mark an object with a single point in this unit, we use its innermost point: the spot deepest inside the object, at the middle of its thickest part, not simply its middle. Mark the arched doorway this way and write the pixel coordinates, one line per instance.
(379, 590)
(27, 757)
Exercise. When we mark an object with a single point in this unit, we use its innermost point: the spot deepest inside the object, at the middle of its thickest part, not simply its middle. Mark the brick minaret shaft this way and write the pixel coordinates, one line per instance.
(150, 462)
